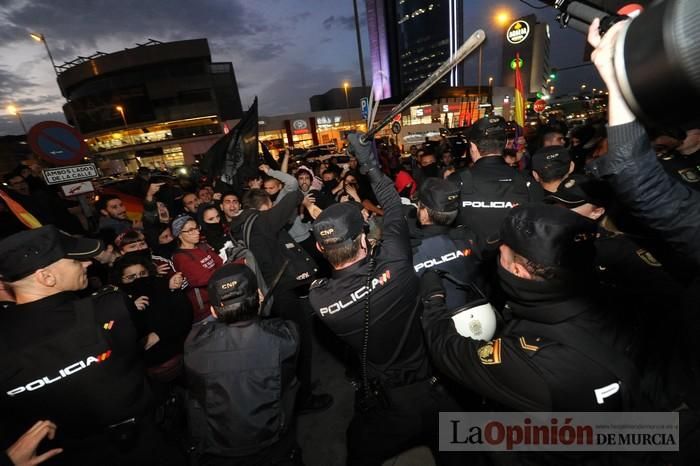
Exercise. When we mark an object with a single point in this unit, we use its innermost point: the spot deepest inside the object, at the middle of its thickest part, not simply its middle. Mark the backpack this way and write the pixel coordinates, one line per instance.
(240, 253)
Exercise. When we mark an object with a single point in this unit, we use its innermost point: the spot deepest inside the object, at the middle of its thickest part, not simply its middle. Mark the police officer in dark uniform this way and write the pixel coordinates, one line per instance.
(555, 351)
(490, 188)
(438, 245)
(371, 302)
(684, 162)
(636, 285)
(76, 362)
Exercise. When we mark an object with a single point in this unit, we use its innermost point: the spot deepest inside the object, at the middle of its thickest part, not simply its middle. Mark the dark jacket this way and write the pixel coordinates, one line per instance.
(241, 384)
(396, 351)
(91, 355)
(168, 314)
(520, 369)
(489, 189)
(453, 250)
(271, 244)
(667, 207)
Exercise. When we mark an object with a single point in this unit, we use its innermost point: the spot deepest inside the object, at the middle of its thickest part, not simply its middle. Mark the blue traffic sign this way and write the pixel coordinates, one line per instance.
(57, 143)
(364, 107)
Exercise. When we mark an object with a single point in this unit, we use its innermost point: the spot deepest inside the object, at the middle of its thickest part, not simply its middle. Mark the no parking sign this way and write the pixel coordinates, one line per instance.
(57, 143)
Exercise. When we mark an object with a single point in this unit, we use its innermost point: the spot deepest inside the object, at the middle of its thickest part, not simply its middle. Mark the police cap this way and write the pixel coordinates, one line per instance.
(230, 284)
(439, 195)
(549, 235)
(23, 253)
(554, 160)
(490, 127)
(577, 190)
(338, 225)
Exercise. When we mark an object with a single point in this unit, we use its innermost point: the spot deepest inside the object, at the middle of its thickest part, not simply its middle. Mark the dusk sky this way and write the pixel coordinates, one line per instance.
(283, 51)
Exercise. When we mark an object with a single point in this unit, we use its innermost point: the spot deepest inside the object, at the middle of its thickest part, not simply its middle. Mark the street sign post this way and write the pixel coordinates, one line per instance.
(59, 175)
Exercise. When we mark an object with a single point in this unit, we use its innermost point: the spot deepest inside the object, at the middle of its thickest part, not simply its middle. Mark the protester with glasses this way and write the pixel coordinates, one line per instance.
(196, 260)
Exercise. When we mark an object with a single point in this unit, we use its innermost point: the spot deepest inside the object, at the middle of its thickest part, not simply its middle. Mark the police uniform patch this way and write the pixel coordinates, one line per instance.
(490, 353)
(648, 258)
(528, 346)
(689, 175)
(319, 282)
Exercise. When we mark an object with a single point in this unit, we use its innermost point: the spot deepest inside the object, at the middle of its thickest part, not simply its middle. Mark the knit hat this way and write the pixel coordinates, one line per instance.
(179, 223)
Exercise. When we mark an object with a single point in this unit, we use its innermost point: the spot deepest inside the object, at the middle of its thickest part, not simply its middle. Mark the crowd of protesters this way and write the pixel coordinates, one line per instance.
(585, 242)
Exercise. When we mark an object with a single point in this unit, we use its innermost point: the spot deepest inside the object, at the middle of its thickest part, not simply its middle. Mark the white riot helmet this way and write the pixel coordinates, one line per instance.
(477, 322)
(476, 319)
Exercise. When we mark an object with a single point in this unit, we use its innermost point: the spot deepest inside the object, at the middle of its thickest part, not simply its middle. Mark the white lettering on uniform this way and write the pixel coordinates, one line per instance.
(450, 256)
(490, 205)
(604, 392)
(356, 295)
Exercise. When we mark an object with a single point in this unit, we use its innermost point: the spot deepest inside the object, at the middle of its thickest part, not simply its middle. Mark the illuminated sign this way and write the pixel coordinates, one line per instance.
(299, 124)
(512, 63)
(518, 32)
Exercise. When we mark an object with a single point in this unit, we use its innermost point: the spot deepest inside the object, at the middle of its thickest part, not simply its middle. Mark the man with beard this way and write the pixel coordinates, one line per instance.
(113, 215)
(190, 203)
(74, 361)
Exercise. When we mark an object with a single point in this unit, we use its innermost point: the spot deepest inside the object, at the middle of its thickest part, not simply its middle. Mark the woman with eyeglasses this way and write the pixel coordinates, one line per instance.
(197, 261)
(163, 314)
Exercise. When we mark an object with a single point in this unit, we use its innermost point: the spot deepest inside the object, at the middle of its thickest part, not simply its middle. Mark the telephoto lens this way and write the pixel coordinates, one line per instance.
(657, 63)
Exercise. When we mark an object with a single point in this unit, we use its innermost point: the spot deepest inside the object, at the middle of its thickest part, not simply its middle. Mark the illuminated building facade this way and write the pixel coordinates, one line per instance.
(158, 104)
(409, 39)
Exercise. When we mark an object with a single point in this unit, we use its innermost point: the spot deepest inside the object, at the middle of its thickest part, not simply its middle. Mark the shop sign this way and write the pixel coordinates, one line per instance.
(59, 175)
(300, 127)
(518, 32)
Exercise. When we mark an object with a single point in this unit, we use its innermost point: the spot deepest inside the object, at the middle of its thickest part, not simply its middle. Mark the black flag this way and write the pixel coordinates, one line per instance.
(268, 159)
(234, 157)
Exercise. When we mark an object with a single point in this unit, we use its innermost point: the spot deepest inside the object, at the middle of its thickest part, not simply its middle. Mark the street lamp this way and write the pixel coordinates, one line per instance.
(346, 86)
(502, 17)
(40, 38)
(583, 87)
(120, 109)
(13, 110)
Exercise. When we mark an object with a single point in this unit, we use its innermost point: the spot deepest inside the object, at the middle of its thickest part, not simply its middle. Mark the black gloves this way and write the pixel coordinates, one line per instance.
(431, 286)
(363, 152)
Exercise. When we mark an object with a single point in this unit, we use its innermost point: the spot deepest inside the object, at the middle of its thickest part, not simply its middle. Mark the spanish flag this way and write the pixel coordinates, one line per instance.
(20, 212)
(519, 95)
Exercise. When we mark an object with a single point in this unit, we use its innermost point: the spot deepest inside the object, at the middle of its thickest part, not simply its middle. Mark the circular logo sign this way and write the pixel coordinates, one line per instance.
(396, 127)
(540, 105)
(299, 124)
(518, 32)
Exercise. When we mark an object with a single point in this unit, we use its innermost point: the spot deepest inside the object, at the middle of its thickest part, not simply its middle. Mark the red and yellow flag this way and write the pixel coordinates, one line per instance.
(519, 100)
(20, 212)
